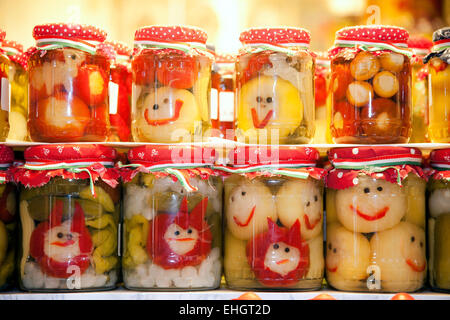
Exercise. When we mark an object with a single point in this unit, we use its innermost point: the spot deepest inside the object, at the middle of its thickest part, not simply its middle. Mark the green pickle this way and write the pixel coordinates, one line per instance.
(442, 252)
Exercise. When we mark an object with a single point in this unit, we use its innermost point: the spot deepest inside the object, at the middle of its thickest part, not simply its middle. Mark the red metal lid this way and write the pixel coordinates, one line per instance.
(15, 46)
(275, 35)
(420, 42)
(120, 47)
(171, 33)
(69, 30)
(266, 155)
(2, 35)
(84, 152)
(160, 154)
(6, 155)
(373, 33)
(374, 156)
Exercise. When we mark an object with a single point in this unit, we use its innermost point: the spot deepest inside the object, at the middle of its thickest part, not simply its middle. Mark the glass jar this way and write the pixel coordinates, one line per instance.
(275, 87)
(18, 82)
(172, 219)
(273, 204)
(376, 220)
(421, 47)
(4, 91)
(371, 84)
(322, 101)
(223, 86)
(8, 219)
(439, 221)
(171, 85)
(439, 85)
(69, 213)
(68, 96)
(120, 92)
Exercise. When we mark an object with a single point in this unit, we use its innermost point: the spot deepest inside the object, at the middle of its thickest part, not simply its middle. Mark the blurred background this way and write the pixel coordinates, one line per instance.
(223, 19)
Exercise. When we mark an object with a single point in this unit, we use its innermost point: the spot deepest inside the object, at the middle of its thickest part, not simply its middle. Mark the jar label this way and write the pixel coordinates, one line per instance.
(226, 103)
(113, 90)
(214, 103)
(5, 94)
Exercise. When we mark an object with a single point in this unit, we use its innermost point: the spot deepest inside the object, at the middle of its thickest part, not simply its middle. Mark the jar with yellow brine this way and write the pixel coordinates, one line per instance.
(171, 84)
(371, 85)
(4, 91)
(376, 220)
(275, 87)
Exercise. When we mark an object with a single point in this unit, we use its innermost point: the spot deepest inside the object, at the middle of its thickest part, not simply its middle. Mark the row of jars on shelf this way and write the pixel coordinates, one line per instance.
(83, 88)
(156, 222)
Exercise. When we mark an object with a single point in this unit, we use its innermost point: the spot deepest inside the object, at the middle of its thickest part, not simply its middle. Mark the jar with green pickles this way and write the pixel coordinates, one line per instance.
(8, 219)
(273, 213)
(439, 221)
(69, 213)
(4, 90)
(18, 81)
(172, 219)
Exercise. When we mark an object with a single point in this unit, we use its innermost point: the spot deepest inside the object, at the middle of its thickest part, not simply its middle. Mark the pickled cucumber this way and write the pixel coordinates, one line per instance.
(3, 242)
(442, 251)
(7, 268)
(330, 206)
(415, 188)
(102, 197)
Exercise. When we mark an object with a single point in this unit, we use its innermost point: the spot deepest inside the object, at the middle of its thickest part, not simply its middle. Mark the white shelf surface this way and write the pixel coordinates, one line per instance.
(220, 294)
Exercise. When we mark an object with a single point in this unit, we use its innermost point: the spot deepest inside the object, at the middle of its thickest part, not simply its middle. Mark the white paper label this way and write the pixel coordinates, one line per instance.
(214, 104)
(226, 103)
(6, 94)
(113, 90)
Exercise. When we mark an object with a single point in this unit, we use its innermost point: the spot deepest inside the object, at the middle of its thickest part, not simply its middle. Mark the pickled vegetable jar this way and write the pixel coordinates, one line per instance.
(171, 84)
(371, 85)
(273, 219)
(421, 47)
(4, 91)
(68, 97)
(172, 219)
(69, 213)
(18, 82)
(375, 208)
(275, 87)
(223, 95)
(321, 91)
(439, 85)
(120, 92)
(8, 219)
(439, 221)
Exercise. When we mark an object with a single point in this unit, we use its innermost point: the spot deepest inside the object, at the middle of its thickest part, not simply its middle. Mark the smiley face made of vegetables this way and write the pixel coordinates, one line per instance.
(184, 239)
(247, 208)
(278, 257)
(301, 199)
(269, 103)
(57, 245)
(166, 114)
(372, 205)
(400, 254)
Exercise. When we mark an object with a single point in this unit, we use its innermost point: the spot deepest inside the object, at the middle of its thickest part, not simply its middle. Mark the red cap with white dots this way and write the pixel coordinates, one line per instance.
(392, 164)
(59, 35)
(12, 47)
(123, 52)
(282, 36)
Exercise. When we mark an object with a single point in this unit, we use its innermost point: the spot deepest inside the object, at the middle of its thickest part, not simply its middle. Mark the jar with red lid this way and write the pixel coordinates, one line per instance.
(439, 85)
(69, 214)
(18, 82)
(8, 219)
(4, 91)
(420, 46)
(439, 220)
(375, 206)
(273, 204)
(68, 98)
(371, 85)
(172, 219)
(171, 84)
(223, 88)
(119, 91)
(275, 87)
(322, 101)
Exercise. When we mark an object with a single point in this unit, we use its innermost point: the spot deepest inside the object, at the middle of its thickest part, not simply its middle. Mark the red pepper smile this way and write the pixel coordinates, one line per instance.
(282, 261)
(181, 239)
(240, 224)
(310, 225)
(260, 125)
(160, 122)
(63, 244)
(380, 214)
(332, 269)
(414, 266)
